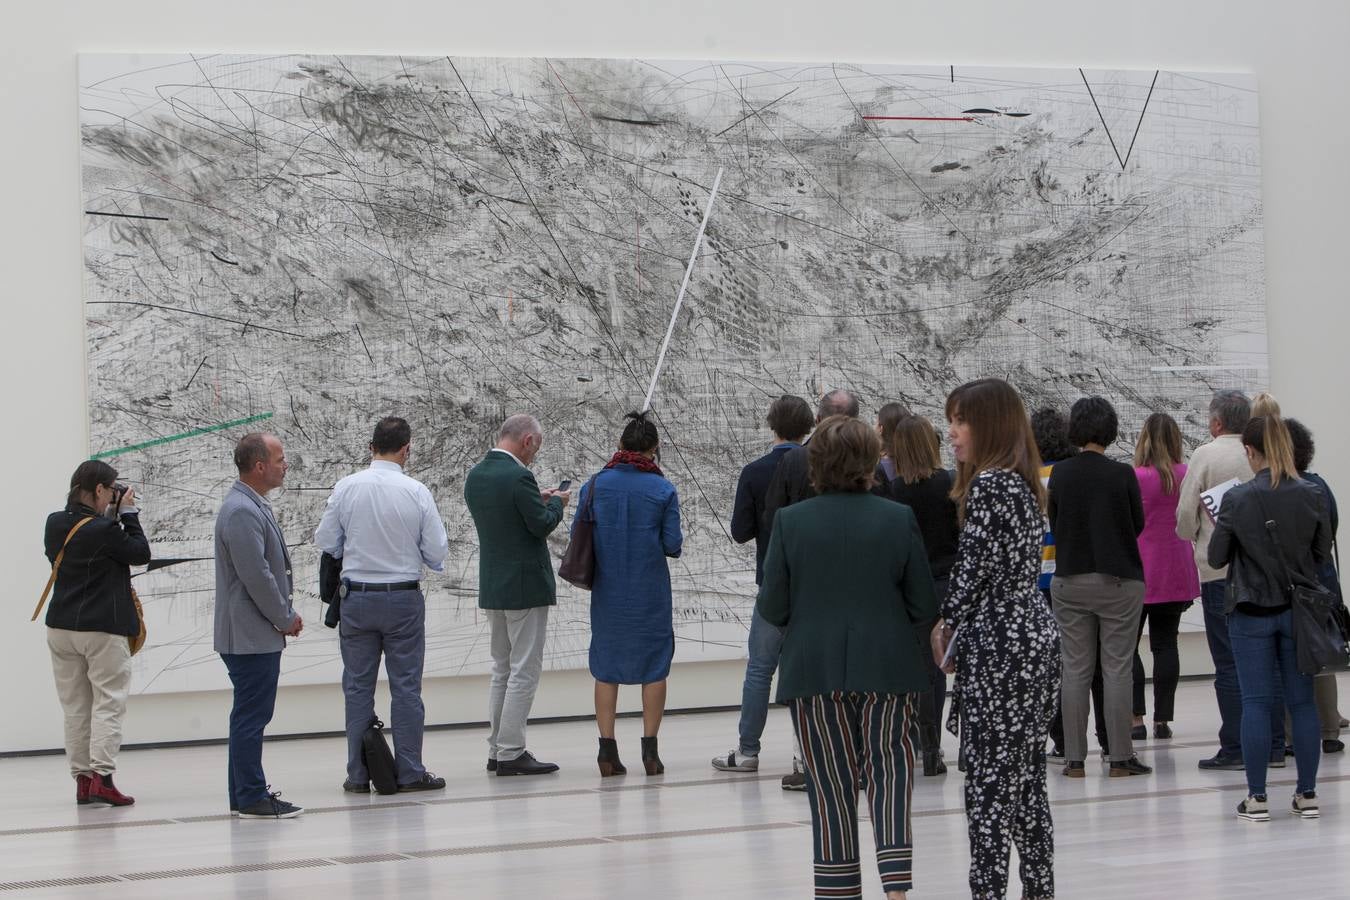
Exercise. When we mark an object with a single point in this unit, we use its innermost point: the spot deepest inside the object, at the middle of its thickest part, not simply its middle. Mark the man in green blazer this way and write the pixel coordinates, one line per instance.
(515, 583)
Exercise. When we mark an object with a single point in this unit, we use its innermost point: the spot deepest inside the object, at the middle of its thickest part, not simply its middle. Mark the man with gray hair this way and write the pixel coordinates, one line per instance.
(515, 583)
(1221, 460)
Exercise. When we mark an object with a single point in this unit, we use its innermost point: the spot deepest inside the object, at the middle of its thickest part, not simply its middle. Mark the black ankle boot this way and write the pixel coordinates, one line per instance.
(608, 760)
(932, 751)
(650, 760)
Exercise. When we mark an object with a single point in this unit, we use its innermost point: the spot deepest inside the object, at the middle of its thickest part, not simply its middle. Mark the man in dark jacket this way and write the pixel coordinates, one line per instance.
(792, 481)
(789, 419)
(515, 583)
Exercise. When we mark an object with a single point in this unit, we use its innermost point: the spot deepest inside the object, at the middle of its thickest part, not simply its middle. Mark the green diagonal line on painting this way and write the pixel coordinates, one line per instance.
(178, 437)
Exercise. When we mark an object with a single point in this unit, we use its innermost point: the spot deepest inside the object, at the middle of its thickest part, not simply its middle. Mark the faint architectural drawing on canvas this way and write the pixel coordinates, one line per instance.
(326, 240)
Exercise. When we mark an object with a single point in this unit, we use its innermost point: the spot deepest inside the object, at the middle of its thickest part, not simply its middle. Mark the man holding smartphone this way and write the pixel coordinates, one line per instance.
(515, 583)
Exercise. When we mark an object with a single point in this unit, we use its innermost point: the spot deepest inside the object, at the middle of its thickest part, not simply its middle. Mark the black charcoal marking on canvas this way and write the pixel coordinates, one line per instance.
(333, 239)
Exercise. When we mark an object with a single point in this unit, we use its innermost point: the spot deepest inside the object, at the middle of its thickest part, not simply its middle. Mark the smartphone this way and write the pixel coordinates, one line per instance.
(566, 483)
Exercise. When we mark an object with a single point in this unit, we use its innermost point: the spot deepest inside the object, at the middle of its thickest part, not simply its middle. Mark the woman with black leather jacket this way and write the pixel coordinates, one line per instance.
(92, 544)
(1271, 530)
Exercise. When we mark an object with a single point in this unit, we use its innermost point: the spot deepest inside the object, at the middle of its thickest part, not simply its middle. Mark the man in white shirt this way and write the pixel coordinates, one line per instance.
(384, 526)
(1221, 460)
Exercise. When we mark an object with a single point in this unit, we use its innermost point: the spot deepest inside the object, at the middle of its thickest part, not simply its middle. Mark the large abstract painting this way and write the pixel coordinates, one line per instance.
(307, 243)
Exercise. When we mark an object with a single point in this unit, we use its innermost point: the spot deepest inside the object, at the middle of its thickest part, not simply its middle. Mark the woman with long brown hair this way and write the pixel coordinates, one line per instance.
(919, 481)
(1271, 530)
(1171, 581)
(1004, 641)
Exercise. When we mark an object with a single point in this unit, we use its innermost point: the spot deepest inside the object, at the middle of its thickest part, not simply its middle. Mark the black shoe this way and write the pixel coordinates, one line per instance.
(1074, 770)
(961, 759)
(1128, 767)
(651, 760)
(1162, 731)
(608, 759)
(933, 764)
(794, 781)
(524, 764)
(356, 787)
(1139, 733)
(270, 807)
(1277, 762)
(1220, 761)
(428, 782)
(1333, 746)
(492, 764)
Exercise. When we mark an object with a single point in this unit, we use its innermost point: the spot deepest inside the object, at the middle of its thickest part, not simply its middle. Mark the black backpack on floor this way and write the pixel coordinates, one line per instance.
(379, 759)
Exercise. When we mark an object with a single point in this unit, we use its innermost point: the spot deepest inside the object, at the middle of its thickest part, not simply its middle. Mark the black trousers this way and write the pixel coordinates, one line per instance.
(1164, 620)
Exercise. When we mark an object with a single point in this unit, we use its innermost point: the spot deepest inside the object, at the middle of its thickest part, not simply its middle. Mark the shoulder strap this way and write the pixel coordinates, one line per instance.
(1273, 531)
(587, 512)
(57, 564)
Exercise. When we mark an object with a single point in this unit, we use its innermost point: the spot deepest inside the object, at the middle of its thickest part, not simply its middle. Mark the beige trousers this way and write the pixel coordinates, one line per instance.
(93, 678)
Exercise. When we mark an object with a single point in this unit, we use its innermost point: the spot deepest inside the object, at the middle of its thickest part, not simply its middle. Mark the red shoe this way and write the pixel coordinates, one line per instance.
(82, 783)
(101, 790)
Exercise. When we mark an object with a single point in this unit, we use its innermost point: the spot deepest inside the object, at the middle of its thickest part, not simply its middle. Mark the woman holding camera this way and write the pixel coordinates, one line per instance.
(92, 544)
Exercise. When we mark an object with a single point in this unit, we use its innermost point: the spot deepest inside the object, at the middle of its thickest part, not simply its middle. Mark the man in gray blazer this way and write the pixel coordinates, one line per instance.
(254, 617)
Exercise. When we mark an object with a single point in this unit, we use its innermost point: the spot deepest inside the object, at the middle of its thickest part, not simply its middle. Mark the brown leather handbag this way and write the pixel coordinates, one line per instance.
(578, 563)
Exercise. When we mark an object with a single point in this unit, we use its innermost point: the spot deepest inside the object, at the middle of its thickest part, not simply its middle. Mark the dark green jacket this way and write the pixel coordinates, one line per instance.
(848, 575)
(515, 570)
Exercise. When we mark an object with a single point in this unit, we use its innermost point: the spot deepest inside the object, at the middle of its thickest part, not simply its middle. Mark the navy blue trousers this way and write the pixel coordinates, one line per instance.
(254, 676)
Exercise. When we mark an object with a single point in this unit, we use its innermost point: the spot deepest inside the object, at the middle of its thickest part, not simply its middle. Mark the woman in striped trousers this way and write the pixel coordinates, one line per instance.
(850, 659)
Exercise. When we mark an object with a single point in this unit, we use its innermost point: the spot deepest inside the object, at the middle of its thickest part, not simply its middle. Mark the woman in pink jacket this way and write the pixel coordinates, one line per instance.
(1171, 582)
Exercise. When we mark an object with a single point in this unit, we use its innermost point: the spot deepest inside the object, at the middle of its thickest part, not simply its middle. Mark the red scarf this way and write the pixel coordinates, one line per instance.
(639, 461)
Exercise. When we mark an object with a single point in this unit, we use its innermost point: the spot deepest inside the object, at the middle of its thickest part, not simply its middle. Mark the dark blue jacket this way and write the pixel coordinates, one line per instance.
(747, 517)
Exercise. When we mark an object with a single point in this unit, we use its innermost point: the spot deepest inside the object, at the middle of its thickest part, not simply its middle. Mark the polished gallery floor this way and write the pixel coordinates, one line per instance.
(691, 833)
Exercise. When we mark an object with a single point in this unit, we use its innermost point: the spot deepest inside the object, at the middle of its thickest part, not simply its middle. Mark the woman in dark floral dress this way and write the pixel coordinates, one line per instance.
(1007, 652)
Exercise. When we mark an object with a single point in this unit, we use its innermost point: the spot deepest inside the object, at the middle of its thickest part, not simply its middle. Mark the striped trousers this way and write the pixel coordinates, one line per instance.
(848, 740)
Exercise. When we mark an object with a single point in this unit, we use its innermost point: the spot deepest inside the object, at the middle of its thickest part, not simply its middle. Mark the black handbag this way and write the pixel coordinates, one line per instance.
(578, 563)
(379, 759)
(1319, 616)
(330, 588)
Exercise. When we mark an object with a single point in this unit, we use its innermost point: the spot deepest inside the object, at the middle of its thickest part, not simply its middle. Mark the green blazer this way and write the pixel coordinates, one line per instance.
(515, 570)
(848, 576)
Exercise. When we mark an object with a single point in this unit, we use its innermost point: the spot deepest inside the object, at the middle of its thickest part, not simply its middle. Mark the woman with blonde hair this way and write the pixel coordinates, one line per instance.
(1171, 581)
(1272, 530)
(1006, 653)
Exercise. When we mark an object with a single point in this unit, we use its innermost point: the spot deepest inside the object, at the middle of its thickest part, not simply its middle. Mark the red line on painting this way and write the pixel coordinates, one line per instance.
(920, 118)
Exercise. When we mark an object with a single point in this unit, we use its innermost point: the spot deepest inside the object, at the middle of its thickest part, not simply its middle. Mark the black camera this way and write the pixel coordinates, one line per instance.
(119, 491)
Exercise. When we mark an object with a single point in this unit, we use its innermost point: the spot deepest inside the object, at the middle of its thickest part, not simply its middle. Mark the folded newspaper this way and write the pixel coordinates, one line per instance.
(1211, 498)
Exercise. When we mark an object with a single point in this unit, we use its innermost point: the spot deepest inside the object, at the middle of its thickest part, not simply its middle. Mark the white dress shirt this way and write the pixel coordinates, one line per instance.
(383, 525)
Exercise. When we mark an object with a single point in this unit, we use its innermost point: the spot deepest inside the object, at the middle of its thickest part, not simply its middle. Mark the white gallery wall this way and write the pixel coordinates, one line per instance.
(1290, 47)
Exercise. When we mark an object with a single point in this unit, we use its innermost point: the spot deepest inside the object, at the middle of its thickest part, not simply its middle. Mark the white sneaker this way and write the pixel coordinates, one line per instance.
(1254, 809)
(1305, 805)
(736, 761)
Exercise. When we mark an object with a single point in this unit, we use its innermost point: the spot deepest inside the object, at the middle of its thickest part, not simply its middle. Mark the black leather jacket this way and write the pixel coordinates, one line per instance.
(1241, 541)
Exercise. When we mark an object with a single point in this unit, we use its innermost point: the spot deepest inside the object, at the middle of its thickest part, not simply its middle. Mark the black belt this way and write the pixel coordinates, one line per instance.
(396, 586)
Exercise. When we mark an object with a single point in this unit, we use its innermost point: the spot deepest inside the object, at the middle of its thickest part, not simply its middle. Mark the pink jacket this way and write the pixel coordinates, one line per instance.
(1169, 564)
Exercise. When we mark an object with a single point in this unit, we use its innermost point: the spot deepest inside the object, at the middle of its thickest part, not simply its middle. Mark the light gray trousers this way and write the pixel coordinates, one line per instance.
(517, 659)
(1097, 614)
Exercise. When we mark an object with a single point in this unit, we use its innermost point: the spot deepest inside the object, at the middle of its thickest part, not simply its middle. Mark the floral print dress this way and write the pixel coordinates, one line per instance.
(1006, 688)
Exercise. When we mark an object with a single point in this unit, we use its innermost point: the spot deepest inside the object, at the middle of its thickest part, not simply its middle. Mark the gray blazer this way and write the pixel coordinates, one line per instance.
(253, 577)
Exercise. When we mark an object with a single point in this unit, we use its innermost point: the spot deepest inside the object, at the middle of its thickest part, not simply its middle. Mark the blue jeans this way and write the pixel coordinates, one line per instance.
(1226, 687)
(254, 676)
(392, 624)
(1263, 647)
(765, 646)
